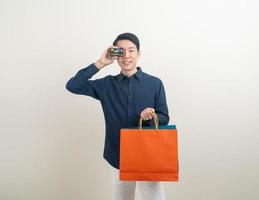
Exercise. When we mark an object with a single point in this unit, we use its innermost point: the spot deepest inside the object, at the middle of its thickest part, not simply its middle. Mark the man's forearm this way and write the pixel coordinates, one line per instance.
(83, 75)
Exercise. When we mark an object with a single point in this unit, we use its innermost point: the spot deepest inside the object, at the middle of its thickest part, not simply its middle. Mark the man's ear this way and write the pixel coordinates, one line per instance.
(139, 54)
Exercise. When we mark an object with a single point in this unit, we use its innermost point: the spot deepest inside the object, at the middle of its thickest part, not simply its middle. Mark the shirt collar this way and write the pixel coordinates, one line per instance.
(137, 75)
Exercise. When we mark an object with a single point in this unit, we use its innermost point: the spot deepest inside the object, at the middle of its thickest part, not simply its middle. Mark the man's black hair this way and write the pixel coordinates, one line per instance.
(128, 36)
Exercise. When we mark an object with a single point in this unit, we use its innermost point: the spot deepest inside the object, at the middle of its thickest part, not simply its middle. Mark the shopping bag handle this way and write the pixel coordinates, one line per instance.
(156, 120)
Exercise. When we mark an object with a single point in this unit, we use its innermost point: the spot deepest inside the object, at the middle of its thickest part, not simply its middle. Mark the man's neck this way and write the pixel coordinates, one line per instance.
(129, 73)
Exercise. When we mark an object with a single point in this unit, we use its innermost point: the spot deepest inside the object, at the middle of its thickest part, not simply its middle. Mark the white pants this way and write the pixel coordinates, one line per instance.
(125, 190)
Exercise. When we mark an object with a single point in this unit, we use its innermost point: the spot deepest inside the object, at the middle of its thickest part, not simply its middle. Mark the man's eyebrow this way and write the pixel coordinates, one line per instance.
(131, 48)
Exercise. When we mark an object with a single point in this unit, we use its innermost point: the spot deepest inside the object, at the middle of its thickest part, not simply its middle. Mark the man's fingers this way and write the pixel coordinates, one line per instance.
(150, 112)
(144, 116)
(147, 114)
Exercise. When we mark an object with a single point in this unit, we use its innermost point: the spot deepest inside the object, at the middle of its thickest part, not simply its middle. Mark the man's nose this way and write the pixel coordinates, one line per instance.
(126, 54)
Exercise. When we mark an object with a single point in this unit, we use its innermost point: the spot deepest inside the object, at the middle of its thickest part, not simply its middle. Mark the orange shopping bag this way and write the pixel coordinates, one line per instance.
(149, 153)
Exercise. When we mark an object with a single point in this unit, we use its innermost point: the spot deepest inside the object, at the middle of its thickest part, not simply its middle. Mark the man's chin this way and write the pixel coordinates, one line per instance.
(127, 67)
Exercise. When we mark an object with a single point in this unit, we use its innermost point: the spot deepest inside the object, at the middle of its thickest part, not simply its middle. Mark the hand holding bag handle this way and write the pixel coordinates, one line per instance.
(156, 121)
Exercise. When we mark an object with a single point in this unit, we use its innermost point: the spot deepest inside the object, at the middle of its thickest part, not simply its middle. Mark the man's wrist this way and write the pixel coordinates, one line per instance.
(99, 65)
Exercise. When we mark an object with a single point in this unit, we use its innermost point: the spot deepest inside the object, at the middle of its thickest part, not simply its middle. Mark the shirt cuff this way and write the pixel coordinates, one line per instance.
(94, 66)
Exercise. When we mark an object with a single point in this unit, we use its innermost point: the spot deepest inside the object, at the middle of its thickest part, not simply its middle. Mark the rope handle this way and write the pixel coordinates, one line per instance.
(156, 120)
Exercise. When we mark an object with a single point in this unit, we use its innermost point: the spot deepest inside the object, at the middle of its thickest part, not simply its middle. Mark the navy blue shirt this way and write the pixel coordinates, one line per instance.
(123, 99)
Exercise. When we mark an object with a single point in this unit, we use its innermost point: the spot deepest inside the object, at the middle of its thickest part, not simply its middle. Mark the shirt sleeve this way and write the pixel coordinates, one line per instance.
(80, 83)
(160, 107)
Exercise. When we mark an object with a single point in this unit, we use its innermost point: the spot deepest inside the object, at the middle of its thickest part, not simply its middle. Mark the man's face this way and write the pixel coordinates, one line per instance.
(129, 61)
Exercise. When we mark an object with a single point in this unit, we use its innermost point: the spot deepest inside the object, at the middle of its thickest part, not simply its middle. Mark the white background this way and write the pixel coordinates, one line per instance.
(205, 52)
